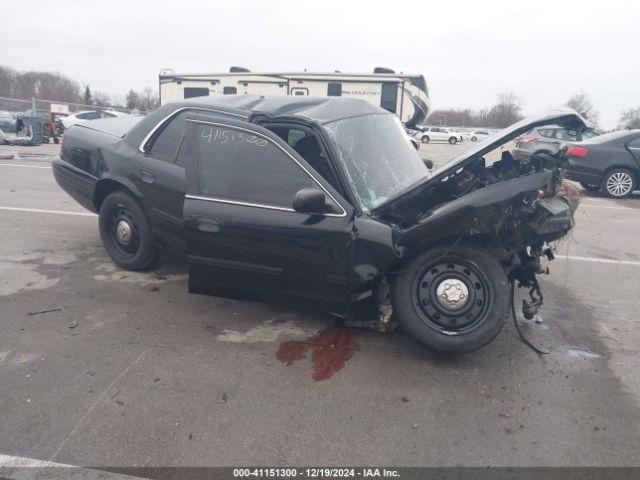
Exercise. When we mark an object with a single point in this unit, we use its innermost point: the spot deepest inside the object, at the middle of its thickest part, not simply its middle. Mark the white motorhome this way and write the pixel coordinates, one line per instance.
(404, 94)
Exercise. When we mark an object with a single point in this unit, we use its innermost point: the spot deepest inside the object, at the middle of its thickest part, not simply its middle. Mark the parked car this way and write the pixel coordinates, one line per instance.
(90, 115)
(8, 121)
(547, 139)
(439, 134)
(609, 163)
(321, 199)
(476, 135)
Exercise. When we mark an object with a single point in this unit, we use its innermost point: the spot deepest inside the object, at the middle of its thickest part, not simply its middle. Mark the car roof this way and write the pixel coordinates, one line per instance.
(622, 135)
(320, 109)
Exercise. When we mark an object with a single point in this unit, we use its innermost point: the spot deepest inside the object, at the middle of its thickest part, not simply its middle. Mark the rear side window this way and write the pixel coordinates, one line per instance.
(239, 166)
(166, 144)
(564, 134)
(546, 132)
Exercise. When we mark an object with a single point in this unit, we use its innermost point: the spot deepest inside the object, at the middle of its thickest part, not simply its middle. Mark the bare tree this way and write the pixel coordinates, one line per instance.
(581, 103)
(101, 99)
(506, 111)
(48, 86)
(630, 119)
(7, 81)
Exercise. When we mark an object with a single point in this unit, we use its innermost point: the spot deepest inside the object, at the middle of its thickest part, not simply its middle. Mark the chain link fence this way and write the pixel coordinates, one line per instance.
(44, 108)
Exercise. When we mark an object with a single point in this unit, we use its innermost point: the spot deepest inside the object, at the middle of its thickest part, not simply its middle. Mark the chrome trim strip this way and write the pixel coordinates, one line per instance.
(253, 132)
(176, 112)
(237, 202)
(256, 205)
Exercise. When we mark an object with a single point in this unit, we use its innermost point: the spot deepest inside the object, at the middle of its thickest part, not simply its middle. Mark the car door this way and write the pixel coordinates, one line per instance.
(437, 134)
(243, 236)
(634, 147)
(161, 179)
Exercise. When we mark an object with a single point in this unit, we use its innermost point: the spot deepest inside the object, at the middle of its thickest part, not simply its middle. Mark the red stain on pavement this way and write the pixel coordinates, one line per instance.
(331, 348)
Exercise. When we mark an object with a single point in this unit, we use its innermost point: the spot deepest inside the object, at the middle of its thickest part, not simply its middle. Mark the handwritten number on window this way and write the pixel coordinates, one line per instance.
(220, 135)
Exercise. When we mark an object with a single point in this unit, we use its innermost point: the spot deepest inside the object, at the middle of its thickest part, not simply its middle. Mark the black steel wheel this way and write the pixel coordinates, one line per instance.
(125, 232)
(453, 299)
(452, 296)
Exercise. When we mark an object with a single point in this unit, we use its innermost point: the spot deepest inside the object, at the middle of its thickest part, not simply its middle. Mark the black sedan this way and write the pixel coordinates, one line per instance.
(609, 163)
(322, 200)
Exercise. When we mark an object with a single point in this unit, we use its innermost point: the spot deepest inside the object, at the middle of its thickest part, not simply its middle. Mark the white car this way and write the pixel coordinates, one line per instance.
(439, 134)
(478, 135)
(90, 115)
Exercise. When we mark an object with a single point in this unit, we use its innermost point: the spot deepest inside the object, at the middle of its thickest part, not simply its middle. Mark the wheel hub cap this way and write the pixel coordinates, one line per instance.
(619, 184)
(123, 232)
(452, 294)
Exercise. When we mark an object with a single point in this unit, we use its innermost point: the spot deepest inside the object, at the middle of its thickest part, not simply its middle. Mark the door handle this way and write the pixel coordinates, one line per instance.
(147, 176)
(206, 224)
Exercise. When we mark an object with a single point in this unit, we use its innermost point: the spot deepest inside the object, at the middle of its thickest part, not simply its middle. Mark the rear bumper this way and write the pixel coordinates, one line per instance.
(78, 184)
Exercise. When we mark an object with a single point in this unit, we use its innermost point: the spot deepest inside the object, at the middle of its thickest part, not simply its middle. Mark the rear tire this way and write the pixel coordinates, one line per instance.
(591, 188)
(468, 319)
(126, 232)
(618, 183)
(474, 139)
(453, 140)
(425, 139)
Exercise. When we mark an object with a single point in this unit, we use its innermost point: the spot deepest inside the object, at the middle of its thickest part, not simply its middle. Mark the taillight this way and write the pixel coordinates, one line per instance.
(577, 151)
(526, 138)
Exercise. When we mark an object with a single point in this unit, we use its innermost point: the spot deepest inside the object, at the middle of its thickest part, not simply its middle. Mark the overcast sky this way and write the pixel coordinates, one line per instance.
(544, 51)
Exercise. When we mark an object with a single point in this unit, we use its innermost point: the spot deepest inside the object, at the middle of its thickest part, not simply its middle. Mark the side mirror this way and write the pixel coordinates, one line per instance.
(428, 163)
(310, 201)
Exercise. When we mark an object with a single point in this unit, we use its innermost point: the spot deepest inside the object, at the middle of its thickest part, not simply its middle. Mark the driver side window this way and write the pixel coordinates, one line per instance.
(238, 166)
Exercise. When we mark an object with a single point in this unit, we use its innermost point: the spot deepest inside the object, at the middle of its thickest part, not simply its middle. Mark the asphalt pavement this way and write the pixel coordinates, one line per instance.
(100, 366)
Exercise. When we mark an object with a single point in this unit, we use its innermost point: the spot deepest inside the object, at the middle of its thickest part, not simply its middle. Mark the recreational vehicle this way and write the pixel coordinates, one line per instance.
(405, 95)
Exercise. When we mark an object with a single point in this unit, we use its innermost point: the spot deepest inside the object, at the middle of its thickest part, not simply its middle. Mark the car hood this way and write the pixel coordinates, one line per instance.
(562, 116)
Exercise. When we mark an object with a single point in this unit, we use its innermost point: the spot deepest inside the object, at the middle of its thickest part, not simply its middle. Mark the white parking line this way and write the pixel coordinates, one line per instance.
(600, 260)
(53, 212)
(589, 205)
(22, 166)
(10, 468)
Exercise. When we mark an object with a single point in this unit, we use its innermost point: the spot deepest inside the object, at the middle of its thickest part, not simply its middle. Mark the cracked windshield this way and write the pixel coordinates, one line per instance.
(377, 157)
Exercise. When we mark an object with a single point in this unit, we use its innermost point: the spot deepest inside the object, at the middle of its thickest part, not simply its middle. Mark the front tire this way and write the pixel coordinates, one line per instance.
(125, 232)
(453, 140)
(452, 299)
(474, 139)
(425, 139)
(618, 183)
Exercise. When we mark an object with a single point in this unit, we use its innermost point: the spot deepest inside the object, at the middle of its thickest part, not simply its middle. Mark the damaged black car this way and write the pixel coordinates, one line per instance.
(323, 200)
